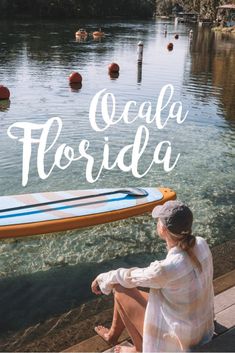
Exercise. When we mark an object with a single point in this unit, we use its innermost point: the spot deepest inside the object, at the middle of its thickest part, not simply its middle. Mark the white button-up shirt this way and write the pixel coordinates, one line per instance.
(180, 309)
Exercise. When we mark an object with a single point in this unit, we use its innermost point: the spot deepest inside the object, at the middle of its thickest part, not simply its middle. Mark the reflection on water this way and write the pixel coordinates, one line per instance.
(5, 105)
(139, 72)
(75, 87)
(213, 63)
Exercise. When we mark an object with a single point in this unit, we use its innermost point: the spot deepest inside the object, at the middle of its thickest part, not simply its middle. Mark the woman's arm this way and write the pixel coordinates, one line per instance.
(151, 277)
(95, 288)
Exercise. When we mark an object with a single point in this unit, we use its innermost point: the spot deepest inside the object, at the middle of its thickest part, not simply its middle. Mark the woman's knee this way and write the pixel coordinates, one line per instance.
(118, 289)
(119, 292)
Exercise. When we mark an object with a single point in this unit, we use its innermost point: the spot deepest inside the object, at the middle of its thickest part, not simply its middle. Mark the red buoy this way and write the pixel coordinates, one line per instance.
(4, 92)
(75, 87)
(75, 77)
(114, 67)
(170, 46)
(113, 75)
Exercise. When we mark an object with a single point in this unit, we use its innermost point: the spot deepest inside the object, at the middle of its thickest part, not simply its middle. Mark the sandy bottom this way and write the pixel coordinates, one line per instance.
(72, 327)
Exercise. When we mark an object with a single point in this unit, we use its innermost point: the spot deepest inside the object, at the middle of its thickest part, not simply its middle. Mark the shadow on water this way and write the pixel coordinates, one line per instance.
(29, 299)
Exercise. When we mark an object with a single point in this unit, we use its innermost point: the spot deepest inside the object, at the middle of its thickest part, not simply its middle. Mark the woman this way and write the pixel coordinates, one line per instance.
(177, 314)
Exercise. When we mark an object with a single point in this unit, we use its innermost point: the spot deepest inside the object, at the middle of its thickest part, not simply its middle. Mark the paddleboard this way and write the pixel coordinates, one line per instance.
(31, 214)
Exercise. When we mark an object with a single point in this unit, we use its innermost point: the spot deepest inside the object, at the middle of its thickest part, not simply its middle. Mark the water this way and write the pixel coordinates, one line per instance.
(37, 58)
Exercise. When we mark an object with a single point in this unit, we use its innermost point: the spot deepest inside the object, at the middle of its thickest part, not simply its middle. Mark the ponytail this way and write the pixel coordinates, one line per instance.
(186, 242)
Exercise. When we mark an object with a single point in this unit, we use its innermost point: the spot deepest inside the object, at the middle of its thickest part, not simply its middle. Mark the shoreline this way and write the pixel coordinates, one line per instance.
(76, 325)
(225, 30)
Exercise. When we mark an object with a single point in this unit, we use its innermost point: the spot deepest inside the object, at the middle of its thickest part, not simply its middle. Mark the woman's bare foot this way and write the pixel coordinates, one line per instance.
(125, 349)
(106, 334)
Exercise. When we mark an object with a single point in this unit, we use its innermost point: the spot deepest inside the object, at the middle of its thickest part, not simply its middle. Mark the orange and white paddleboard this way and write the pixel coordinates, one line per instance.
(31, 214)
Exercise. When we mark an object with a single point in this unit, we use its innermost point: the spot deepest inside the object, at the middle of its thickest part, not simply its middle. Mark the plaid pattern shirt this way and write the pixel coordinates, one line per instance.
(180, 309)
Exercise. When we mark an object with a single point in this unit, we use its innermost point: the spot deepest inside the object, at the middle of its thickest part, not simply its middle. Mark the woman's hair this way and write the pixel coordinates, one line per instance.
(186, 242)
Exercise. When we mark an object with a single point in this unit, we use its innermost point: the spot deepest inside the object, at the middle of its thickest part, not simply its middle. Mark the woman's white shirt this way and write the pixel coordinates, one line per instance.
(180, 309)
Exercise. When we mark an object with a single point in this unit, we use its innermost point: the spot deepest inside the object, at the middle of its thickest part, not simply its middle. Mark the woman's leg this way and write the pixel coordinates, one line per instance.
(131, 305)
(129, 311)
(111, 335)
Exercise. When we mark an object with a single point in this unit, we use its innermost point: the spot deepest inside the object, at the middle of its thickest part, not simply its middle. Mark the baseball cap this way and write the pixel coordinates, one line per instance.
(176, 216)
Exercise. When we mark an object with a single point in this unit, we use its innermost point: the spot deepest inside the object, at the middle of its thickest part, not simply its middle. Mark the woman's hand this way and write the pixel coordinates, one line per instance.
(95, 287)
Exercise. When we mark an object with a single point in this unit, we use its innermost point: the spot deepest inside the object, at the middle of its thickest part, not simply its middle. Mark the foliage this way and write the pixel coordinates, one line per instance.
(77, 8)
(103, 8)
(206, 8)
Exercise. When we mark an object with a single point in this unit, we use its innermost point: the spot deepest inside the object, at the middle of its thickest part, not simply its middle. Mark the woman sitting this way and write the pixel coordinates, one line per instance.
(177, 313)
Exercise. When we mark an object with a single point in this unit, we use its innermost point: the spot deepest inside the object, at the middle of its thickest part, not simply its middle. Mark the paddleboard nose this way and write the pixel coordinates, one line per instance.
(136, 192)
